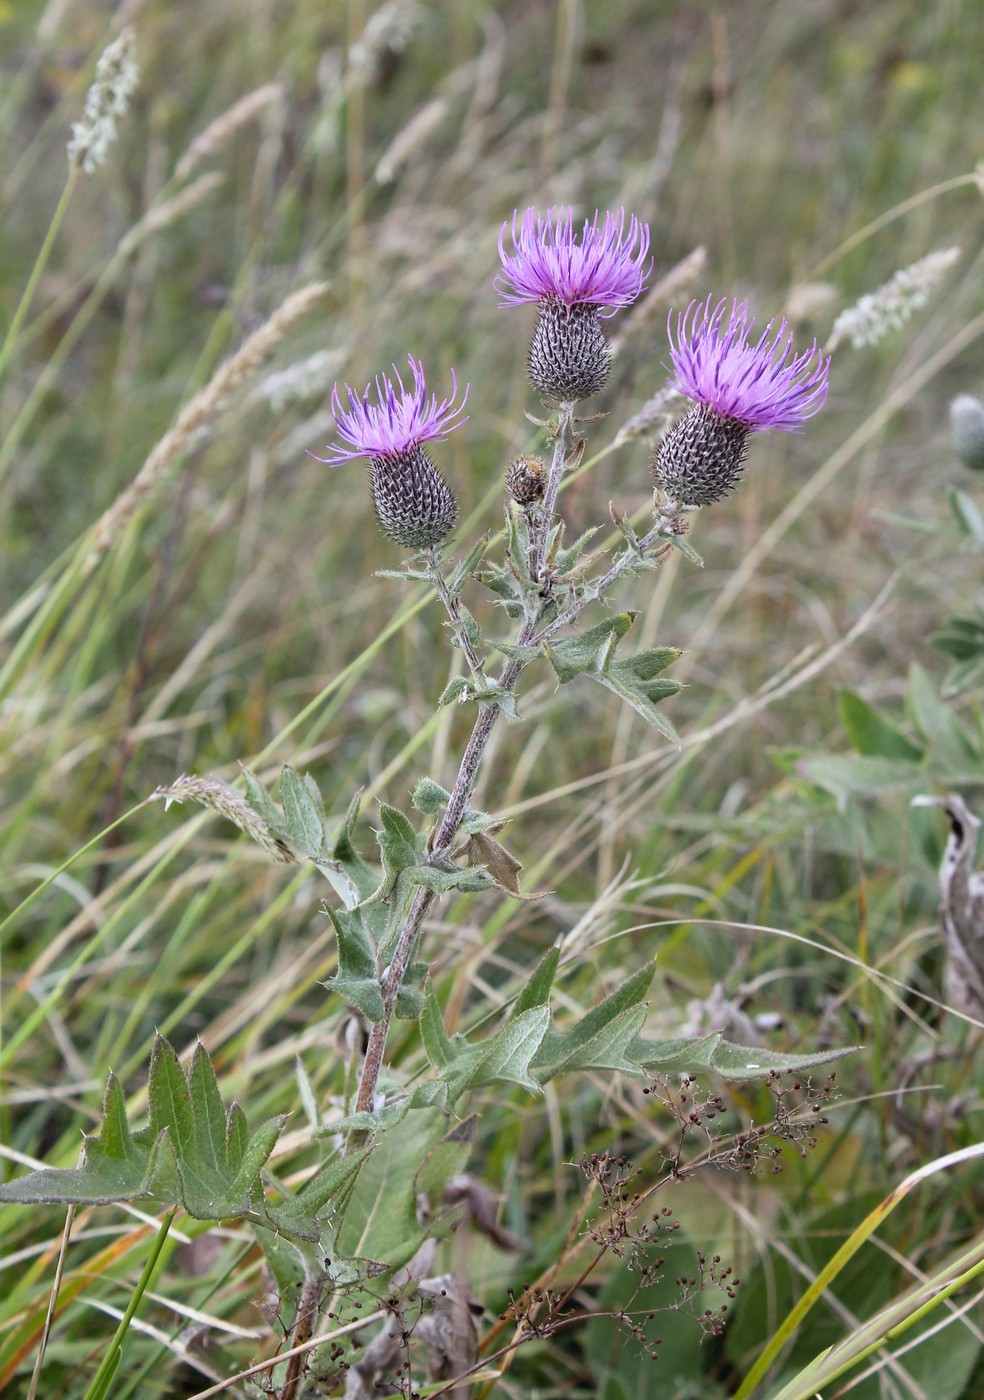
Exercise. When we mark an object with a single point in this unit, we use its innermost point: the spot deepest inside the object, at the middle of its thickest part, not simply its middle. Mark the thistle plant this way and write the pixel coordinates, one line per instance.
(393, 1148)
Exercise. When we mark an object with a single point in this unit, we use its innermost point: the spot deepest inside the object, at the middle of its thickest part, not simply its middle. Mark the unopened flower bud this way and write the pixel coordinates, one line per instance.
(569, 355)
(415, 506)
(967, 430)
(700, 459)
(526, 480)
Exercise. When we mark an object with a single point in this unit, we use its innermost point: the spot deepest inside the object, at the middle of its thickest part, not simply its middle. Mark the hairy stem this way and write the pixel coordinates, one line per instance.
(538, 552)
(475, 664)
(530, 633)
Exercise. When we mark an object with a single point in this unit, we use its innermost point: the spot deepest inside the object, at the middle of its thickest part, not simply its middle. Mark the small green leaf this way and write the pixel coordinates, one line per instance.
(457, 690)
(573, 656)
(370, 1121)
(397, 839)
(170, 1102)
(565, 559)
(330, 1180)
(508, 1053)
(303, 814)
(437, 1042)
(208, 1113)
(937, 723)
(872, 734)
(607, 1049)
(101, 1181)
(463, 690)
(467, 566)
(686, 548)
(470, 880)
(712, 1054)
(114, 1137)
(356, 955)
(968, 515)
(526, 654)
(635, 680)
(536, 989)
(364, 993)
(409, 1003)
(565, 1048)
(473, 821)
(429, 797)
(237, 1137)
(258, 1150)
(261, 802)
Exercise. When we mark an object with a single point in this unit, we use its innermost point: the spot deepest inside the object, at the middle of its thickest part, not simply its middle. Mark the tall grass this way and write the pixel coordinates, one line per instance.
(185, 589)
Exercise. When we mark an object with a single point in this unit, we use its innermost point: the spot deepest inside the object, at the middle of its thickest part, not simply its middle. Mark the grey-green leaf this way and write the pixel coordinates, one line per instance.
(303, 814)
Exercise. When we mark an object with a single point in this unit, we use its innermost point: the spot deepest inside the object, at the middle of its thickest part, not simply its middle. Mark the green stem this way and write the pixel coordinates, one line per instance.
(39, 265)
(101, 1381)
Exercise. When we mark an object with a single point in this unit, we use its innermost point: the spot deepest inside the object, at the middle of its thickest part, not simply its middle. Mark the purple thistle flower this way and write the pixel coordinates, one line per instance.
(414, 504)
(606, 268)
(573, 283)
(603, 269)
(738, 388)
(395, 423)
(760, 386)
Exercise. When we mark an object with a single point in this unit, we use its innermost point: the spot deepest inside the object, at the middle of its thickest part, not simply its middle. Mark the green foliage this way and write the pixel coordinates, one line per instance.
(195, 1152)
(592, 653)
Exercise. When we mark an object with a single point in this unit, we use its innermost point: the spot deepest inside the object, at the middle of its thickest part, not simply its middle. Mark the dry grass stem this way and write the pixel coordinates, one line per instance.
(207, 142)
(202, 409)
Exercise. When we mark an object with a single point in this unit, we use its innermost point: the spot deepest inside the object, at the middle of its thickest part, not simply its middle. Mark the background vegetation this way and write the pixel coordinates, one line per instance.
(232, 614)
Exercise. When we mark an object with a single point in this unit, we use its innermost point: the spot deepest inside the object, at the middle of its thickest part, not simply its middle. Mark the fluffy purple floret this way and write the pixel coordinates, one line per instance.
(606, 268)
(400, 419)
(761, 385)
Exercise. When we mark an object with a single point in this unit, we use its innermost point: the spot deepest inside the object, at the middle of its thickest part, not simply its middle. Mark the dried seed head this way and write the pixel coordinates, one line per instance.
(569, 355)
(526, 480)
(700, 459)
(109, 96)
(415, 506)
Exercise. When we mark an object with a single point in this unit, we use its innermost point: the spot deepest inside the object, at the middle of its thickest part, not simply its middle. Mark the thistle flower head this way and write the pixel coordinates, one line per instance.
(738, 388)
(605, 267)
(761, 385)
(398, 421)
(414, 504)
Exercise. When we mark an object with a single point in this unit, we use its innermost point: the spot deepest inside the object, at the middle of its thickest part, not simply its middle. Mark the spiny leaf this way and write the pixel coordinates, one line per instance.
(192, 1154)
(577, 1045)
(713, 1054)
(634, 680)
(567, 558)
(573, 656)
